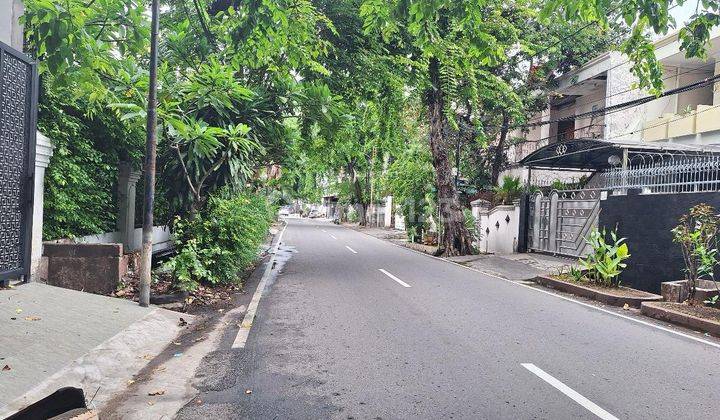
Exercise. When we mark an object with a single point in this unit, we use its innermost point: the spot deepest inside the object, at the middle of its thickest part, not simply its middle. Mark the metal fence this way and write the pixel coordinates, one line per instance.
(18, 111)
(667, 174)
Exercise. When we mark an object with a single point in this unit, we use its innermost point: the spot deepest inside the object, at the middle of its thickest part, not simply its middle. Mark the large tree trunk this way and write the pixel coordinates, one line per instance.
(454, 238)
(360, 205)
(499, 155)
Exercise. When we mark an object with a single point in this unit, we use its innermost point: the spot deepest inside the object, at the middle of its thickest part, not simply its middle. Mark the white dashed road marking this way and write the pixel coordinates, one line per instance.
(402, 283)
(574, 395)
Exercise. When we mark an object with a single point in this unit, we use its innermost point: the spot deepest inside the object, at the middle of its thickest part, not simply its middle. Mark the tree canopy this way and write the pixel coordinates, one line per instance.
(360, 98)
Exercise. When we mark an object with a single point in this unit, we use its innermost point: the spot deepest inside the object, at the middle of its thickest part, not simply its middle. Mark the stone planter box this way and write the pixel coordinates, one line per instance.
(664, 313)
(605, 296)
(678, 291)
(93, 268)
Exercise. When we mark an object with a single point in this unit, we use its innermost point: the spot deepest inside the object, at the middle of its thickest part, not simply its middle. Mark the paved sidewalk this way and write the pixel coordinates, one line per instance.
(52, 337)
(516, 267)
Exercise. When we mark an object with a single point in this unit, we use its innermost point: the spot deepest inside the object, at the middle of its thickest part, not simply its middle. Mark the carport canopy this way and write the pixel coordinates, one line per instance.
(598, 154)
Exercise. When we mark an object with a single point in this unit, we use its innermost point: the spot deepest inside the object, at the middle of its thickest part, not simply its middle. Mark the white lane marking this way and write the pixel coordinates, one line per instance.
(323, 230)
(249, 317)
(351, 250)
(402, 283)
(639, 321)
(574, 395)
(333, 236)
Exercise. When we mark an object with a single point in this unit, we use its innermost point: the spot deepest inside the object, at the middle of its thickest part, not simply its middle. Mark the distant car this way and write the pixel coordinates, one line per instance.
(313, 214)
(284, 211)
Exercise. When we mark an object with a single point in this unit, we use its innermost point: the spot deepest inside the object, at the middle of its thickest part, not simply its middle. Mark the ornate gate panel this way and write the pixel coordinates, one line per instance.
(18, 108)
(577, 215)
(560, 223)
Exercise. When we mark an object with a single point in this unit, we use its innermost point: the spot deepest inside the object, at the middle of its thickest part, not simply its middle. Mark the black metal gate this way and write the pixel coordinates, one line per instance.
(18, 122)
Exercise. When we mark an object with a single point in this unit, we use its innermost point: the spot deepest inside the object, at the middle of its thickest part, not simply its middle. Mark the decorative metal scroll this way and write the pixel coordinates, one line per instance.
(666, 174)
(560, 222)
(18, 107)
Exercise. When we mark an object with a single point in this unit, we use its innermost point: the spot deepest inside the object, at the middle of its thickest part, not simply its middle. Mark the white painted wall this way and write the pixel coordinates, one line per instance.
(10, 29)
(162, 238)
(693, 98)
(589, 103)
(497, 234)
(389, 206)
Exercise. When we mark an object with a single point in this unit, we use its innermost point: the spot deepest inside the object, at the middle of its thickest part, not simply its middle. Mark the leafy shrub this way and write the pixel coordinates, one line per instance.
(605, 263)
(559, 185)
(471, 224)
(509, 191)
(216, 243)
(576, 274)
(352, 215)
(697, 235)
(81, 177)
(410, 179)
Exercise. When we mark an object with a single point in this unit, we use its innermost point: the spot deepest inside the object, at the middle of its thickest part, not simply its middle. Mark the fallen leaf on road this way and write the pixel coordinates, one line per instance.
(32, 318)
(182, 322)
(177, 343)
(626, 306)
(199, 339)
(130, 381)
(18, 310)
(6, 368)
(198, 402)
(151, 402)
(156, 392)
(146, 357)
(160, 369)
(248, 391)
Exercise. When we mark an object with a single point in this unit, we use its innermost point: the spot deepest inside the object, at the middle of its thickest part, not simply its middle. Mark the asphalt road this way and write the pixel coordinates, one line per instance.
(336, 337)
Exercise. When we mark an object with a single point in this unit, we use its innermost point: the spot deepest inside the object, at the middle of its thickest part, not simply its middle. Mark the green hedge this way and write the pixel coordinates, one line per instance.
(221, 240)
(81, 178)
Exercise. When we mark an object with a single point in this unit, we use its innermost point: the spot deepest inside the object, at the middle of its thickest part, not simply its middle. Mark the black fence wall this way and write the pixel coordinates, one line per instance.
(646, 221)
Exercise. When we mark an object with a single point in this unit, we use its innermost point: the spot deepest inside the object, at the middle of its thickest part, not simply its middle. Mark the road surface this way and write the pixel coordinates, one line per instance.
(353, 327)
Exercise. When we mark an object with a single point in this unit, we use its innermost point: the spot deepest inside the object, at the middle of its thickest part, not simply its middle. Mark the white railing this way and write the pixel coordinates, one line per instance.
(664, 175)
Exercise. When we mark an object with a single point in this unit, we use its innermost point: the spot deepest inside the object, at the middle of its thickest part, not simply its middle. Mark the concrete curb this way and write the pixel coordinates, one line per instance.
(176, 376)
(664, 313)
(590, 293)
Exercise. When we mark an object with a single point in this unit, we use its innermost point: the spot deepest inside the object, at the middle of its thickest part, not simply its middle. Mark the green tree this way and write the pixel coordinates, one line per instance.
(643, 17)
(448, 43)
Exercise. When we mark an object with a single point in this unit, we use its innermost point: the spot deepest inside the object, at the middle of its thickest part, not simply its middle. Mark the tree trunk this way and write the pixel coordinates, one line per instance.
(499, 151)
(455, 238)
(360, 205)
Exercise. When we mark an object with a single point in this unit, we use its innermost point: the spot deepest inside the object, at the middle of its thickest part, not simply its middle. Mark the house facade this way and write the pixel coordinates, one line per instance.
(691, 117)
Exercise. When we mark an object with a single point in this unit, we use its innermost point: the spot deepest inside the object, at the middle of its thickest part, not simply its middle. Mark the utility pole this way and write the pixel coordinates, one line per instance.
(150, 154)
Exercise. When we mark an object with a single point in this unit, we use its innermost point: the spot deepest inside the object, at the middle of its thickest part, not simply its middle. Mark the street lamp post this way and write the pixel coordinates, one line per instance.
(150, 155)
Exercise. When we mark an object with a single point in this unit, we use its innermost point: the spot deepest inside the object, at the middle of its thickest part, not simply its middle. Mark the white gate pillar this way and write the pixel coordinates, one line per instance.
(127, 181)
(43, 153)
(553, 222)
(536, 222)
